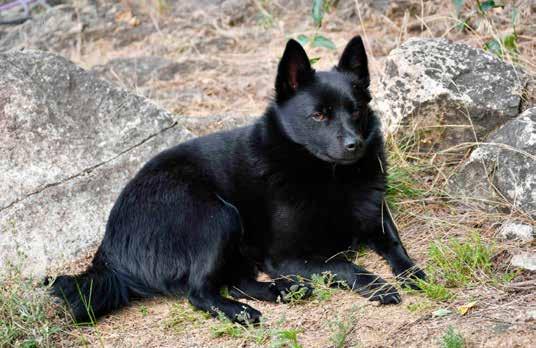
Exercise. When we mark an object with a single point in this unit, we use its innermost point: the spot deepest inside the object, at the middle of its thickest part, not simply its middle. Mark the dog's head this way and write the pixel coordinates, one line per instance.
(326, 112)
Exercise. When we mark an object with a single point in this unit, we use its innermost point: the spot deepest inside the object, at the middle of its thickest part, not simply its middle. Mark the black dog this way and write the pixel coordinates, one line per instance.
(284, 196)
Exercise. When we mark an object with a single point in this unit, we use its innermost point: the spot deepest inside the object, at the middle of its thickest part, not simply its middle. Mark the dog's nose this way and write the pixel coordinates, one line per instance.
(352, 144)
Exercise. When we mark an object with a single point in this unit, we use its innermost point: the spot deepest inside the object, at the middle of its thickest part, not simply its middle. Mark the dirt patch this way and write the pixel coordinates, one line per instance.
(501, 316)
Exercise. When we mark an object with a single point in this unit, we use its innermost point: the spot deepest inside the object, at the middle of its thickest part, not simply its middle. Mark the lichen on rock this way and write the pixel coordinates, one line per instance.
(447, 93)
(502, 170)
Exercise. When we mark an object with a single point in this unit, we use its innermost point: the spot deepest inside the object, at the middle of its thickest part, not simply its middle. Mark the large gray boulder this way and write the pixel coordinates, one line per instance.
(447, 93)
(69, 143)
(502, 171)
(70, 27)
(60, 27)
(57, 121)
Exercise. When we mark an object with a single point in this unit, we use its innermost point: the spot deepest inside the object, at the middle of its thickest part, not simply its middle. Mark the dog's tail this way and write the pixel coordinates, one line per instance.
(89, 295)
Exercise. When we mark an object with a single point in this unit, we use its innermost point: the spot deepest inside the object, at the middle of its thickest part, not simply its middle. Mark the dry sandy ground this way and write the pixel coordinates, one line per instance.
(500, 318)
(231, 70)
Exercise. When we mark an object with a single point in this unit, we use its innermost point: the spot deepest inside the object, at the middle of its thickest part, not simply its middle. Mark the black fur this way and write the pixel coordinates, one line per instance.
(284, 196)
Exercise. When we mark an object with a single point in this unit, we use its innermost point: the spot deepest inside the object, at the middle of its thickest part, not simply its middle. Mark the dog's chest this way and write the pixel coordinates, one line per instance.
(301, 211)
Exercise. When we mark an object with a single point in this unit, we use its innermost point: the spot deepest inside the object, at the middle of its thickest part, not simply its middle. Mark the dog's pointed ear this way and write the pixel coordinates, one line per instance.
(294, 71)
(354, 59)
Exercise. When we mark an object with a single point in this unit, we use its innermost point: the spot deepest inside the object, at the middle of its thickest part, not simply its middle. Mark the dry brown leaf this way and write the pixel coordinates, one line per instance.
(466, 307)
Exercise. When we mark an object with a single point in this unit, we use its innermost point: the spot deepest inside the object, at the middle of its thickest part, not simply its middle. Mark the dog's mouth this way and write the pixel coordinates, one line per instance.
(327, 158)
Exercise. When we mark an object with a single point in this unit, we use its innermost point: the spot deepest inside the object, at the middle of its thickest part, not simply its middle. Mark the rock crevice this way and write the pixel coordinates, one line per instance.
(86, 170)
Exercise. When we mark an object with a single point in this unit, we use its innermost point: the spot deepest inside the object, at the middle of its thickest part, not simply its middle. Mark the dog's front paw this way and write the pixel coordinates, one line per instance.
(248, 315)
(411, 278)
(291, 291)
(385, 294)
(379, 290)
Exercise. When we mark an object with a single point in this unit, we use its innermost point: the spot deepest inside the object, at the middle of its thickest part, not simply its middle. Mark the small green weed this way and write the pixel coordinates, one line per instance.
(319, 8)
(259, 334)
(452, 339)
(322, 290)
(143, 310)
(225, 327)
(499, 46)
(342, 328)
(508, 277)
(502, 46)
(296, 295)
(285, 338)
(324, 285)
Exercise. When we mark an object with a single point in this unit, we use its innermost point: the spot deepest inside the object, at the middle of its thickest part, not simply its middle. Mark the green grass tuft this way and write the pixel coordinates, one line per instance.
(419, 307)
(143, 310)
(452, 339)
(434, 290)
(27, 317)
(259, 334)
(403, 171)
(401, 184)
(225, 327)
(460, 263)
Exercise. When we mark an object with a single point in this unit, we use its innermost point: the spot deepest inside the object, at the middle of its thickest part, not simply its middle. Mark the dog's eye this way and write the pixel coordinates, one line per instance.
(318, 116)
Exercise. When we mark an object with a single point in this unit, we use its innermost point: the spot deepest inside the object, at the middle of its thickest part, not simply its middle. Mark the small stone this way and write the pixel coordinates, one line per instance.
(501, 327)
(515, 230)
(525, 260)
(60, 27)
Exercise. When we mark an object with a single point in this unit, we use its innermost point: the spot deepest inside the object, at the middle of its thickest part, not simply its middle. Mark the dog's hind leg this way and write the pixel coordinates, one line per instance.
(209, 299)
(217, 236)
